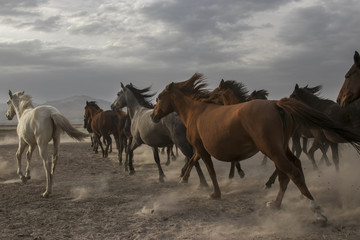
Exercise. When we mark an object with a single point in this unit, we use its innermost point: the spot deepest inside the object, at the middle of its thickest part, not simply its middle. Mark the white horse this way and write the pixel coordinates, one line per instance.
(36, 127)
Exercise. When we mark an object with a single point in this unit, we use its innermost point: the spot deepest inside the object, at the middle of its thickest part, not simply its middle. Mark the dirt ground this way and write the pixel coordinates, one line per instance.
(93, 198)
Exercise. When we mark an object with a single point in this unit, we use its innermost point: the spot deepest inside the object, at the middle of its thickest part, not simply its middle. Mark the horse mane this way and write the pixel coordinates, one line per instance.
(314, 90)
(93, 104)
(142, 95)
(238, 89)
(311, 95)
(25, 102)
(194, 86)
(258, 94)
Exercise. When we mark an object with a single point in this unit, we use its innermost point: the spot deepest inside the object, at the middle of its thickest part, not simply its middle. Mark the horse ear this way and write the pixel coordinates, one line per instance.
(10, 94)
(296, 87)
(87, 103)
(122, 85)
(221, 83)
(356, 58)
(170, 86)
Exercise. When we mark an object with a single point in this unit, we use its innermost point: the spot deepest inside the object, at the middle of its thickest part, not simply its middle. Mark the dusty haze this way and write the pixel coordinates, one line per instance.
(93, 198)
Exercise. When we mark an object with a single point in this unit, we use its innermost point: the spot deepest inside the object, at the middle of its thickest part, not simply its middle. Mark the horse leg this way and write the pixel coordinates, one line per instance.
(19, 153)
(173, 156)
(324, 147)
(283, 183)
(311, 153)
(189, 165)
(43, 155)
(209, 165)
(232, 170)
(292, 169)
(108, 145)
(271, 180)
(55, 155)
(168, 153)
(296, 147)
(117, 143)
(239, 169)
(131, 149)
(100, 144)
(28, 158)
(157, 160)
(335, 155)
(304, 148)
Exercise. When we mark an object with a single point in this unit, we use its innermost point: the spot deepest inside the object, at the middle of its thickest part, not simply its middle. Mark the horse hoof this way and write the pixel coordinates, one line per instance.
(321, 220)
(272, 205)
(23, 179)
(241, 174)
(132, 172)
(267, 186)
(215, 196)
(182, 180)
(45, 194)
(161, 180)
(28, 177)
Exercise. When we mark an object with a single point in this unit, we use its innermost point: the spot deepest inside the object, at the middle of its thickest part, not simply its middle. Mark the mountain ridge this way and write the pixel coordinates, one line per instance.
(71, 107)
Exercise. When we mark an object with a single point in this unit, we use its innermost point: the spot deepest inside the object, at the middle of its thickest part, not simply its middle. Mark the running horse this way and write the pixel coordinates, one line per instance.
(231, 92)
(237, 132)
(350, 91)
(36, 128)
(144, 131)
(103, 124)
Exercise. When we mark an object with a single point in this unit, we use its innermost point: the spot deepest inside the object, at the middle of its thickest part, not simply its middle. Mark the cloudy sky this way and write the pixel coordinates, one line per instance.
(57, 49)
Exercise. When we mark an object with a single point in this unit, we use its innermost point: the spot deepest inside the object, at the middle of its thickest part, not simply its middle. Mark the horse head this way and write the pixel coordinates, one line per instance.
(350, 91)
(120, 101)
(163, 104)
(14, 102)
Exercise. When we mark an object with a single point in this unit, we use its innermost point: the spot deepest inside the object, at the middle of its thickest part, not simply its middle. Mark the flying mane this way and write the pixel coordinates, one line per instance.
(194, 86)
(93, 104)
(142, 95)
(258, 94)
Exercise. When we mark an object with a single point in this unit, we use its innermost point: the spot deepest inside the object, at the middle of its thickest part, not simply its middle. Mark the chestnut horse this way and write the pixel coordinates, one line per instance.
(237, 132)
(105, 123)
(350, 91)
(231, 92)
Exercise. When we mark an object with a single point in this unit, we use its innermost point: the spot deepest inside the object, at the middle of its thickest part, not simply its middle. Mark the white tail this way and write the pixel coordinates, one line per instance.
(61, 122)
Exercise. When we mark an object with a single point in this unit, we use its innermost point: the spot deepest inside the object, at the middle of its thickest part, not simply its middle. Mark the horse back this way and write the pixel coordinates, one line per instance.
(36, 122)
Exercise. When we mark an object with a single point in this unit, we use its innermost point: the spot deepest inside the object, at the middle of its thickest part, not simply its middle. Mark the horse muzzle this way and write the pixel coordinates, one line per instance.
(9, 117)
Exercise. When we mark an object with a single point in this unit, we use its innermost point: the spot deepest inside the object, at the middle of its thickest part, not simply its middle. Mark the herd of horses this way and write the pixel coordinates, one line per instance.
(227, 124)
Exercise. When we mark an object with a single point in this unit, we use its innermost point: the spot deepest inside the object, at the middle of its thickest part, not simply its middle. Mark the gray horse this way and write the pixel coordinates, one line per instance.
(170, 130)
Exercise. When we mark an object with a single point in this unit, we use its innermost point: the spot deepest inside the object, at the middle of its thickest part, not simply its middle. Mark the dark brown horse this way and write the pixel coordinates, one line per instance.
(105, 123)
(236, 132)
(350, 91)
(347, 116)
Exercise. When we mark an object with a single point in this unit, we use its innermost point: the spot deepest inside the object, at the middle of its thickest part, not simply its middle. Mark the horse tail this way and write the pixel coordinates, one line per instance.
(312, 118)
(62, 123)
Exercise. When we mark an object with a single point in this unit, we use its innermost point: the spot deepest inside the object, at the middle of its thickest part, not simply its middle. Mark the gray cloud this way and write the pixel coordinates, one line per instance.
(36, 54)
(88, 47)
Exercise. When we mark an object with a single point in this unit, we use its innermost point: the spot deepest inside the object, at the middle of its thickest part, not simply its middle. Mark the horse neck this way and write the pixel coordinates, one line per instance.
(132, 104)
(184, 106)
(94, 111)
(316, 102)
(22, 108)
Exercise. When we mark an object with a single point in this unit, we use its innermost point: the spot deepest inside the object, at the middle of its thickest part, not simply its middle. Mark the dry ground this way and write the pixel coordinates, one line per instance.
(93, 198)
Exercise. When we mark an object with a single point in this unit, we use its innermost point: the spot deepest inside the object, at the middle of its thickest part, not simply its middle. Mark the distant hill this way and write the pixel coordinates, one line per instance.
(72, 108)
